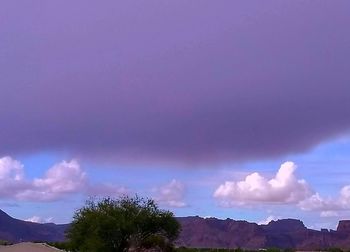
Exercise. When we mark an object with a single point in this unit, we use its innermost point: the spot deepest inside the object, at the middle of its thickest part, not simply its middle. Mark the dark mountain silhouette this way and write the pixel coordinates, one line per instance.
(15, 230)
(207, 233)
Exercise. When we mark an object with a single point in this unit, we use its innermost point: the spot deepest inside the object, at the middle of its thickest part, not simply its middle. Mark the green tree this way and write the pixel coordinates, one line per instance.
(121, 224)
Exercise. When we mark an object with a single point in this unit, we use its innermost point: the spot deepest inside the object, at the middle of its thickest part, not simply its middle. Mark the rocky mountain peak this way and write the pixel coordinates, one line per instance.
(344, 226)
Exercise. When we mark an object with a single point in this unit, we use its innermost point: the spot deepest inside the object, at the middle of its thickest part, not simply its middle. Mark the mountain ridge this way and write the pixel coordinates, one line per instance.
(15, 230)
(285, 233)
(206, 233)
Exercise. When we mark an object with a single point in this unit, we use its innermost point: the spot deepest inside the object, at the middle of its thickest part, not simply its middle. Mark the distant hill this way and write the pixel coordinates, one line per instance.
(287, 233)
(207, 233)
(15, 230)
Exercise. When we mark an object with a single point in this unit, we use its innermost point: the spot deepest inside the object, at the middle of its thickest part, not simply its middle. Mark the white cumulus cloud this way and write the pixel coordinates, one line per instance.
(330, 206)
(268, 220)
(285, 187)
(37, 219)
(171, 194)
(61, 180)
(12, 179)
(11, 169)
(64, 177)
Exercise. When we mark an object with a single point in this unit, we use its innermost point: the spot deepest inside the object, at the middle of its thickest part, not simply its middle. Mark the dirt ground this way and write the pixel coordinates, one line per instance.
(28, 247)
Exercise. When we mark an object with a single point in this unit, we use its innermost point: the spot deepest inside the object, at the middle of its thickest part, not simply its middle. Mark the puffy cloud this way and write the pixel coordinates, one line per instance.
(61, 180)
(64, 177)
(345, 196)
(268, 220)
(283, 188)
(37, 219)
(316, 202)
(171, 194)
(11, 169)
(12, 179)
(328, 206)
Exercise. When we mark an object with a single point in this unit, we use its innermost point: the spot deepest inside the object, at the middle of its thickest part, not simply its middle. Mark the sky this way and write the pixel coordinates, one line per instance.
(232, 109)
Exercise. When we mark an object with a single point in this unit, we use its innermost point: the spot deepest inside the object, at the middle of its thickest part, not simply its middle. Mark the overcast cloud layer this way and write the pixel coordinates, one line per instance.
(178, 80)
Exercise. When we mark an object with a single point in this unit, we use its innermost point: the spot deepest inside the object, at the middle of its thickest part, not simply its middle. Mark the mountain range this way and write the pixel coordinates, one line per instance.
(207, 233)
(15, 230)
(285, 233)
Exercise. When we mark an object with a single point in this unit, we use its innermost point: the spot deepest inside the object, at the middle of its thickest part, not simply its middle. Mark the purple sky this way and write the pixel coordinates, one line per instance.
(173, 80)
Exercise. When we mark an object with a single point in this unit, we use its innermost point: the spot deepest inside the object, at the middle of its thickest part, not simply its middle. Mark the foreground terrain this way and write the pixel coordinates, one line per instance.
(28, 247)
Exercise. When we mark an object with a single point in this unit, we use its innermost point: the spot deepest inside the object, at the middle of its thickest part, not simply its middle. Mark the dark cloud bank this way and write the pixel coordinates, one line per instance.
(176, 80)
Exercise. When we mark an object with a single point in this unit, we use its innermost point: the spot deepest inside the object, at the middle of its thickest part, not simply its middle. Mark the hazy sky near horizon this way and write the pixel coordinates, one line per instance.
(235, 109)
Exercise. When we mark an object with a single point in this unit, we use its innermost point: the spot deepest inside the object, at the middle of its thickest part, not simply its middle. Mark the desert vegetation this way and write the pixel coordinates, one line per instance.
(123, 224)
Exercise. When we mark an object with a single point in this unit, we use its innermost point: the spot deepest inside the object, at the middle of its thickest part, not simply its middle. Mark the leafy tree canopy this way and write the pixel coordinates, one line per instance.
(121, 224)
